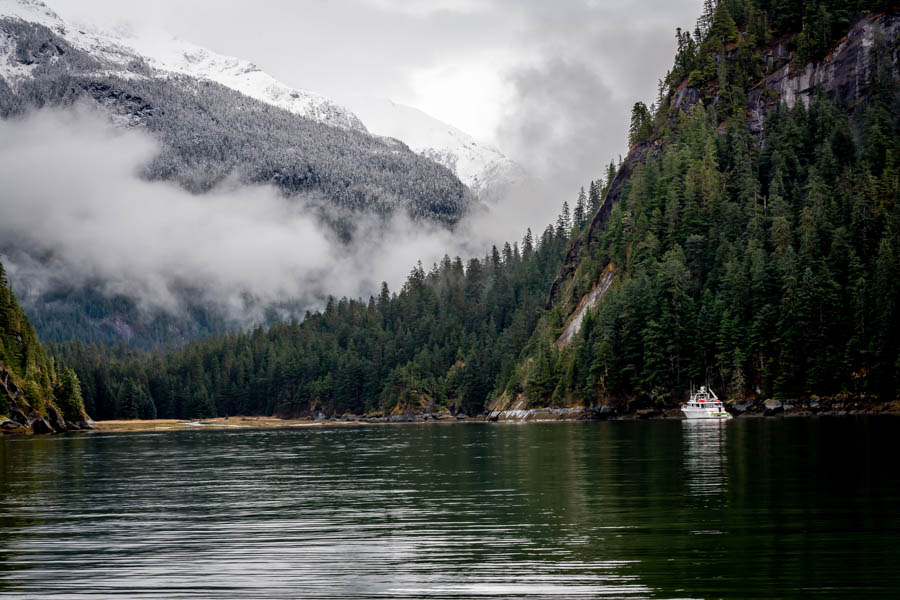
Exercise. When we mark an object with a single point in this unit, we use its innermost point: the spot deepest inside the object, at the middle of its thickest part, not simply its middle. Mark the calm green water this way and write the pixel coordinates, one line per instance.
(745, 509)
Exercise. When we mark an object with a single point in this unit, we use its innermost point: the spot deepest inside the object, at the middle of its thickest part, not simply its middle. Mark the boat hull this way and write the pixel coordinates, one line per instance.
(705, 413)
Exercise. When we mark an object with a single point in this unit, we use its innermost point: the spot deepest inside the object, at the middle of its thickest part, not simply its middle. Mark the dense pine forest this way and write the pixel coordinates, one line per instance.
(445, 341)
(754, 247)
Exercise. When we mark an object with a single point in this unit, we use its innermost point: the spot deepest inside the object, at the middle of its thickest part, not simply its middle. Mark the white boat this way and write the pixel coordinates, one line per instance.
(704, 404)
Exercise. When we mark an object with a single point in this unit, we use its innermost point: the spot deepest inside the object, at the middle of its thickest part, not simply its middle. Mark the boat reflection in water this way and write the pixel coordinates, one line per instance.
(705, 458)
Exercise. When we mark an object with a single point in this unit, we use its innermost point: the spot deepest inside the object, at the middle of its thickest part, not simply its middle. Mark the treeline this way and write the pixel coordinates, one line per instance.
(447, 340)
(766, 271)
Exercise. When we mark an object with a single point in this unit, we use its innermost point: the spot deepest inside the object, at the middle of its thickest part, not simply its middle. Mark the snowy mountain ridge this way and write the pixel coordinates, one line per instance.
(481, 167)
(168, 54)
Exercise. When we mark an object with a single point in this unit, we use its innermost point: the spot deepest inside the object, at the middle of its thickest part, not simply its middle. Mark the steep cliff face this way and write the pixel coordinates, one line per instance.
(36, 396)
(844, 75)
(581, 246)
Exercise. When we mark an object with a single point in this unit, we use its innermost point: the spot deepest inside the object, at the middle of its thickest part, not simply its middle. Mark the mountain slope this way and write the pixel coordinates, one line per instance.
(35, 394)
(751, 234)
(210, 131)
(481, 167)
(210, 136)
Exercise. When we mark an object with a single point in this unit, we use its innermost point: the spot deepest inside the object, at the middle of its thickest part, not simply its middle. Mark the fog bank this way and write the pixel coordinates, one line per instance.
(75, 209)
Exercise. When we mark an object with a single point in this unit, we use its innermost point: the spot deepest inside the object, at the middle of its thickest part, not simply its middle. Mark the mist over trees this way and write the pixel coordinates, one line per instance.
(210, 138)
(447, 340)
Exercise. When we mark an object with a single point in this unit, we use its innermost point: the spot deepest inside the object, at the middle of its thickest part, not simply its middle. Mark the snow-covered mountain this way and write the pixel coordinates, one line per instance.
(480, 166)
(169, 54)
(217, 117)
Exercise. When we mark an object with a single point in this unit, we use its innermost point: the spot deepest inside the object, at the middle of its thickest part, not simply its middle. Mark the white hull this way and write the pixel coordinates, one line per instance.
(704, 413)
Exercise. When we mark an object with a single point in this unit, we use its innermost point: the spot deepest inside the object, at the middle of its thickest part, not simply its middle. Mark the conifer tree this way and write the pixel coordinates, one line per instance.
(594, 196)
(528, 243)
(640, 123)
(564, 221)
(580, 210)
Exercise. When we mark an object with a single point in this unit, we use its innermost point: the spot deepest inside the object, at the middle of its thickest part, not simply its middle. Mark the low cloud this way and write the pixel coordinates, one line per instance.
(587, 64)
(75, 209)
(565, 124)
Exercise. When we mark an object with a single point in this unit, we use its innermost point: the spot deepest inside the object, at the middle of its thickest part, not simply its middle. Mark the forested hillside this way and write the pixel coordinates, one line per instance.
(760, 257)
(36, 393)
(750, 239)
(445, 341)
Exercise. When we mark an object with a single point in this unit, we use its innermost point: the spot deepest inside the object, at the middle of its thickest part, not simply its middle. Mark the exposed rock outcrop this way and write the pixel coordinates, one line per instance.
(636, 156)
(844, 74)
(591, 300)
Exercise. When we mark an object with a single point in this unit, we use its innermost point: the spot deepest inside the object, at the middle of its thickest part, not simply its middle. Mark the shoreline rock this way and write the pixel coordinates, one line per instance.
(20, 424)
(814, 406)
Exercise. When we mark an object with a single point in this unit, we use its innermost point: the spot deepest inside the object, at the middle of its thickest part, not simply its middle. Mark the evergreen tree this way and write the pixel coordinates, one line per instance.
(641, 122)
(564, 222)
(579, 216)
(594, 197)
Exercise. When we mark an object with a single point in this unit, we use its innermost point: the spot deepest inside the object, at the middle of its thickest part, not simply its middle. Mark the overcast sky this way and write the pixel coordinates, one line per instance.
(535, 77)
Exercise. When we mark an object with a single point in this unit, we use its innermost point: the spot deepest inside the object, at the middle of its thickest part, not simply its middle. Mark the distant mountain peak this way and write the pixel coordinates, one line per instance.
(30, 10)
(479, 165)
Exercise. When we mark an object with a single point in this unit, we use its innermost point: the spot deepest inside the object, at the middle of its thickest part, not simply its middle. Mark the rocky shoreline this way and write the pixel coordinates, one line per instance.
(27, 420)
(22, 424)
(837, 406)
(815, 406)
(19, 422)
